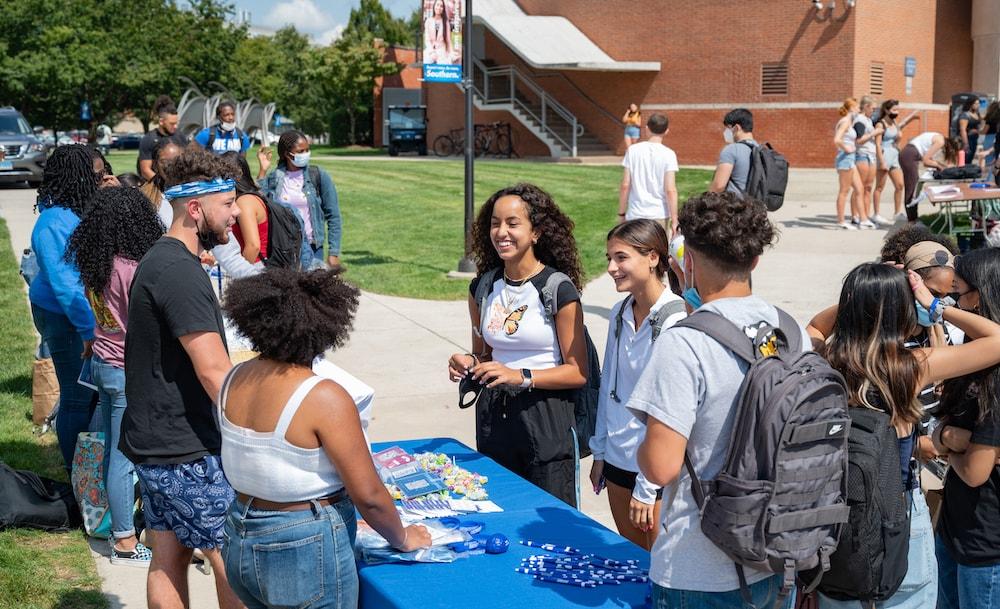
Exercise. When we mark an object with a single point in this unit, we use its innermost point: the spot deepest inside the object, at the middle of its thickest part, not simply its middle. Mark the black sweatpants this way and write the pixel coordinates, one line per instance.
(909, 162)
(529, 434)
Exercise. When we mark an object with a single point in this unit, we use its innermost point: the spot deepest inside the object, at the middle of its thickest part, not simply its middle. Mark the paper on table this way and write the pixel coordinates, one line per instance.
(946, 190)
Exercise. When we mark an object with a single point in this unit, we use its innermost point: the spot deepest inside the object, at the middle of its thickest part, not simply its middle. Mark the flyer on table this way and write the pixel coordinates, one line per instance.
(443, 20)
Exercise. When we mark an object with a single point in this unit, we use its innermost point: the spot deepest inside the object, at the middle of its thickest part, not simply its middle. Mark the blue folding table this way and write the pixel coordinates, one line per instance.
(489, 581)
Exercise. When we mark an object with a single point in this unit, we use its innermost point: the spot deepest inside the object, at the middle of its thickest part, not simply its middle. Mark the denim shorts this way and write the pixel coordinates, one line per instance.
(292, 559)
(764, 594)
(890, 156)
(189, 499)
(844, 160)
(864, 157)
(632, 132)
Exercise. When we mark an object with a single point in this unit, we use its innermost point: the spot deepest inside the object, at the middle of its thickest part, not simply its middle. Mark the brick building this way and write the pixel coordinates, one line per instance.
(555, 67)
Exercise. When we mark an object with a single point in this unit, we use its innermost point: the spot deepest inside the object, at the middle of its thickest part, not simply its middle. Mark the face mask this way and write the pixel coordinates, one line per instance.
(690, 293)
(923, 315)
(894, 114)
(227, 126)
(727, 134)
(300, 159)
(207, 237)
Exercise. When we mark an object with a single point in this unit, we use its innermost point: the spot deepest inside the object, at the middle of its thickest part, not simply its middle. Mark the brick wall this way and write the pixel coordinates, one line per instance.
(954, 49)
(884, 36)
(408, 78)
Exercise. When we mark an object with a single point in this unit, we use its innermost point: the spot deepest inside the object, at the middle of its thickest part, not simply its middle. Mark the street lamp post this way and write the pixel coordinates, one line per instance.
(466, 264)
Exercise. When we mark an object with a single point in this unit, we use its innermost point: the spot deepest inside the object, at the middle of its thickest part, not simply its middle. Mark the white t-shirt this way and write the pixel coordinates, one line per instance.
(516, 326)
(618, 434)
(647, 165)
(691, 384)
(869, 146)
(923, 142)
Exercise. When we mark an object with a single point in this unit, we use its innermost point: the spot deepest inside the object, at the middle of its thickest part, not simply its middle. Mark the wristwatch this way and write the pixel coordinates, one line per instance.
(527, 383)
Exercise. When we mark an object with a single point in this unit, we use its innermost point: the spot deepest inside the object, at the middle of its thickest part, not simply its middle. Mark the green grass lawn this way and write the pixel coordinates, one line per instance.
(403, 221)
(37, 570)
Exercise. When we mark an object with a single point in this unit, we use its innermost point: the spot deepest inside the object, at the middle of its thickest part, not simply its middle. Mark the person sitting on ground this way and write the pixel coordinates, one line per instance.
(224, 136)
(106, 247)
(638, 255)
(863, 339)
(309, 190)
(293, 448)
(686, 397)
(165, 113)
(733, 170)
(530, 361)
(648, 188)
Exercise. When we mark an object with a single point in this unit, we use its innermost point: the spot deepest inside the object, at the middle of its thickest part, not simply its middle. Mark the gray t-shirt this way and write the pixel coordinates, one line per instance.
(690, 385)
(737, 154)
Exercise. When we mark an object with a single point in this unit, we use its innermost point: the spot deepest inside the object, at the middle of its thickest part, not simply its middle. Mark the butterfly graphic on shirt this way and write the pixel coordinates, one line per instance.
(510, 324)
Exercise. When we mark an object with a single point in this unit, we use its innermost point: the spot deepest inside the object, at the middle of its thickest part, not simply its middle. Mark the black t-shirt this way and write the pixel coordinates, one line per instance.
(149, 141)
(170, 418)
(969, 524)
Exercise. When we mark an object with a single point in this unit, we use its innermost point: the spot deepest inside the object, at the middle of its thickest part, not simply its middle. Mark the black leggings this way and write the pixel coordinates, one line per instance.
(909, 162)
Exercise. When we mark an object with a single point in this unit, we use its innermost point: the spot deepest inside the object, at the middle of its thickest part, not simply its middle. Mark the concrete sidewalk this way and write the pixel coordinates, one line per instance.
(400, 346)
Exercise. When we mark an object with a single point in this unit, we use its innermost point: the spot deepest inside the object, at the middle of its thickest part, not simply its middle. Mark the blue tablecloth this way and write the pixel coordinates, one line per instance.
(487, 581)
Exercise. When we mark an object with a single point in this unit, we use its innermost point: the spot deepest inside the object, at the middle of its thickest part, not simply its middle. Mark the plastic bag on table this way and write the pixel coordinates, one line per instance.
(375, 549)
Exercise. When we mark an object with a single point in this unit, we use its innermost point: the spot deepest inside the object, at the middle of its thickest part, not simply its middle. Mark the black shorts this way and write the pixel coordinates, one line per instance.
(624, 478)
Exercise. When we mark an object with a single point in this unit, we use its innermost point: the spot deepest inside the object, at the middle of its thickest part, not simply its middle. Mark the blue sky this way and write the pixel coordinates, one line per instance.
(321, 19)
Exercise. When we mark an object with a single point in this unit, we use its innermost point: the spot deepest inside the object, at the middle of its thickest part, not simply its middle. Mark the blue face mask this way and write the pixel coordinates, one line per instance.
(690, 293)
(300, 159)
(923, 315)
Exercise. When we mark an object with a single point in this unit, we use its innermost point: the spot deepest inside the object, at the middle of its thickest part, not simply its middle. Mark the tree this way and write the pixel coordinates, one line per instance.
(348, 70)
(371, 18)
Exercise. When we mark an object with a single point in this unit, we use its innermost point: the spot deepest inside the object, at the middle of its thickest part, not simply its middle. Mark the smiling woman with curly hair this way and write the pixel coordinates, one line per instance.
(113, 236)
(530, 360)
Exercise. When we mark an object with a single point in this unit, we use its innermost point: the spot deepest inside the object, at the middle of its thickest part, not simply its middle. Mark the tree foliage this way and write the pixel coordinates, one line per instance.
(370, 18)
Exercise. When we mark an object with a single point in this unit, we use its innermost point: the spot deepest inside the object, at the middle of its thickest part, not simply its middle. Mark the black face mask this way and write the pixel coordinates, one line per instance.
(894, 114)
(207, 237)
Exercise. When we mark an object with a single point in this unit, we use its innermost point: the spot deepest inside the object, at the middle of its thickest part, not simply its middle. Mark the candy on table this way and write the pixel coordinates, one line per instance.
(458, 480)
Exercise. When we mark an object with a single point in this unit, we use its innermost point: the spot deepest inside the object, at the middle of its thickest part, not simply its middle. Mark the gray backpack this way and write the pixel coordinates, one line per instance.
(778, 504)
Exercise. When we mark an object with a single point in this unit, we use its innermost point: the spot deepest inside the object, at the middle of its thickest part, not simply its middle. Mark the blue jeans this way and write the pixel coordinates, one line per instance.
(961, 586)
(844, 161)
(919, 588)
(76, 402)
(118, 470)
(292, 559)
(764, 594)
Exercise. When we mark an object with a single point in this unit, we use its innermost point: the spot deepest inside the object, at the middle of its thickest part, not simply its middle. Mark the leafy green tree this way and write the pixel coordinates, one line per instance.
(371, 18)
(348, 70)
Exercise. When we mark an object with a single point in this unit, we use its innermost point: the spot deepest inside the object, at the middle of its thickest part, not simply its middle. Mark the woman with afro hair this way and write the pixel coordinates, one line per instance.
(106, 247)
(59, 307)
(294, 451)
(528, 360)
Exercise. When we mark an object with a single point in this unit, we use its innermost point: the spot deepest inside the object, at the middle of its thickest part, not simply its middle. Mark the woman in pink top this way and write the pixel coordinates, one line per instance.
(106, 247)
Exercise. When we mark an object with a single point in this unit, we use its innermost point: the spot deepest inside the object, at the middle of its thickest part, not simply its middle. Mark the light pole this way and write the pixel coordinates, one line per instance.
(465, 264)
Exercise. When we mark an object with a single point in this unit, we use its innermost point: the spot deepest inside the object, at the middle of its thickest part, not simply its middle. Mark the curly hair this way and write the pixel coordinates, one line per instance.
(68, 180)
(163, 105)
(292, 316)
(897, 243)
(196, 164)
(728, 228)
(121, 223)
(556, 245)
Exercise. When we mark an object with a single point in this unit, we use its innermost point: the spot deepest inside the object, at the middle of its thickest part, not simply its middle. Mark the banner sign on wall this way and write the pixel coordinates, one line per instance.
(443, 21)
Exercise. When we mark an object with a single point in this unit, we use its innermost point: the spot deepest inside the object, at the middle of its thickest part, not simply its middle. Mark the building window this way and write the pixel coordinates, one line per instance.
(774, 79)
(876, 78)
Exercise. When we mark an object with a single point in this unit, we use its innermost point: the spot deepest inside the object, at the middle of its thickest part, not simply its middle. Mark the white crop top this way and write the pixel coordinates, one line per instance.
(923, 142)
(263, 464)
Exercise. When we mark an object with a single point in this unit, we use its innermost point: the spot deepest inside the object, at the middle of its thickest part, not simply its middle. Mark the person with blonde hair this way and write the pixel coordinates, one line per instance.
(845, 139)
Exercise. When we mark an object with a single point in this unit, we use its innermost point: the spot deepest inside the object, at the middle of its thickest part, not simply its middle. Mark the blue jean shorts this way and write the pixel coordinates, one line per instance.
(190, 499)
(632, 132)
(890, 156)
(864, 157)
(844, 160)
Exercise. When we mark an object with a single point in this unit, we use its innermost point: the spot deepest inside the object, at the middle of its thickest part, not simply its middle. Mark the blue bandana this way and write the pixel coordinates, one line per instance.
(191, 189)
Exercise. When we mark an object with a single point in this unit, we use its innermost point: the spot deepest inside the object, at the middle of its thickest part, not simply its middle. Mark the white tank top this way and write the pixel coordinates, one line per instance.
(923, 142)
(263, 464)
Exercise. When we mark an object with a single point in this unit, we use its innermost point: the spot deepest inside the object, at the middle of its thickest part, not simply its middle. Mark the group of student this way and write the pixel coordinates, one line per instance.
(869, 154)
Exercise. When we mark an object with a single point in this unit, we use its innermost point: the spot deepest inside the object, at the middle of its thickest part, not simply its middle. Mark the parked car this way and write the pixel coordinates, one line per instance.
(22, 153)
(407, 129)
(126, 141)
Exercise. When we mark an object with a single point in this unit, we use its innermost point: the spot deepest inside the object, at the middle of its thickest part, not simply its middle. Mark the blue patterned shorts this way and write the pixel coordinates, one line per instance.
(190, 499)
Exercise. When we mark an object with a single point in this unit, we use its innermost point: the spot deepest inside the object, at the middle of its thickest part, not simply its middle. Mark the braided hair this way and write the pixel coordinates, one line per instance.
(120, 222)
(68, 180)
(286, 142)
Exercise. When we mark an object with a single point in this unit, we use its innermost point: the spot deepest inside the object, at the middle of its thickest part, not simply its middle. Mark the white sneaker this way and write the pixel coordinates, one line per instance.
(855, 220)
(867, 224)
(877, 219)
(900, 217)
(847, 225)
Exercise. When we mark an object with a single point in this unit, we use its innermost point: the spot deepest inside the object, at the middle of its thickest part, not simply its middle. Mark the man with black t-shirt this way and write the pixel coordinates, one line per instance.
(166, 128)
(175, 363)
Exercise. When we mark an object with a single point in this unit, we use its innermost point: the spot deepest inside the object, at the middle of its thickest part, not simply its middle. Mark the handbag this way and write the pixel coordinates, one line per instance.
(88, 484)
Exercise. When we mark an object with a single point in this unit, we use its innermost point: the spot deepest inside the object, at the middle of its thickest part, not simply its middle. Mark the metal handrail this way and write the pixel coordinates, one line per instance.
(508, 94)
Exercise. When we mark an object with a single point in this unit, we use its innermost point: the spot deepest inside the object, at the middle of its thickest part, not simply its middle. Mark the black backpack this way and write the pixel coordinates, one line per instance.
(31, 501)
(964, 172)
(777, 505)
(585, 400)
(871, 560)
(768, 177)
(284, 236)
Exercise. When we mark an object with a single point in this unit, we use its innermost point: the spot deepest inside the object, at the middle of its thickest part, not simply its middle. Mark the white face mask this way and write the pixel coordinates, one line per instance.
(227, 126)
(727, 134)
(300, 159)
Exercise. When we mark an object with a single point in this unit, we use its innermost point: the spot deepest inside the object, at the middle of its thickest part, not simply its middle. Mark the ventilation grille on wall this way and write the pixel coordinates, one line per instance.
(774, 79)
(876, 78)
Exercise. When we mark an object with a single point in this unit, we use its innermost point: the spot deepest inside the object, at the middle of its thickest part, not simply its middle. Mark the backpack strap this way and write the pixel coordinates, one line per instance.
(790, 328)
(550, 294)
(728, 334)
(483, 289)
(211, 137)
(660, 316)
(618, 318)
